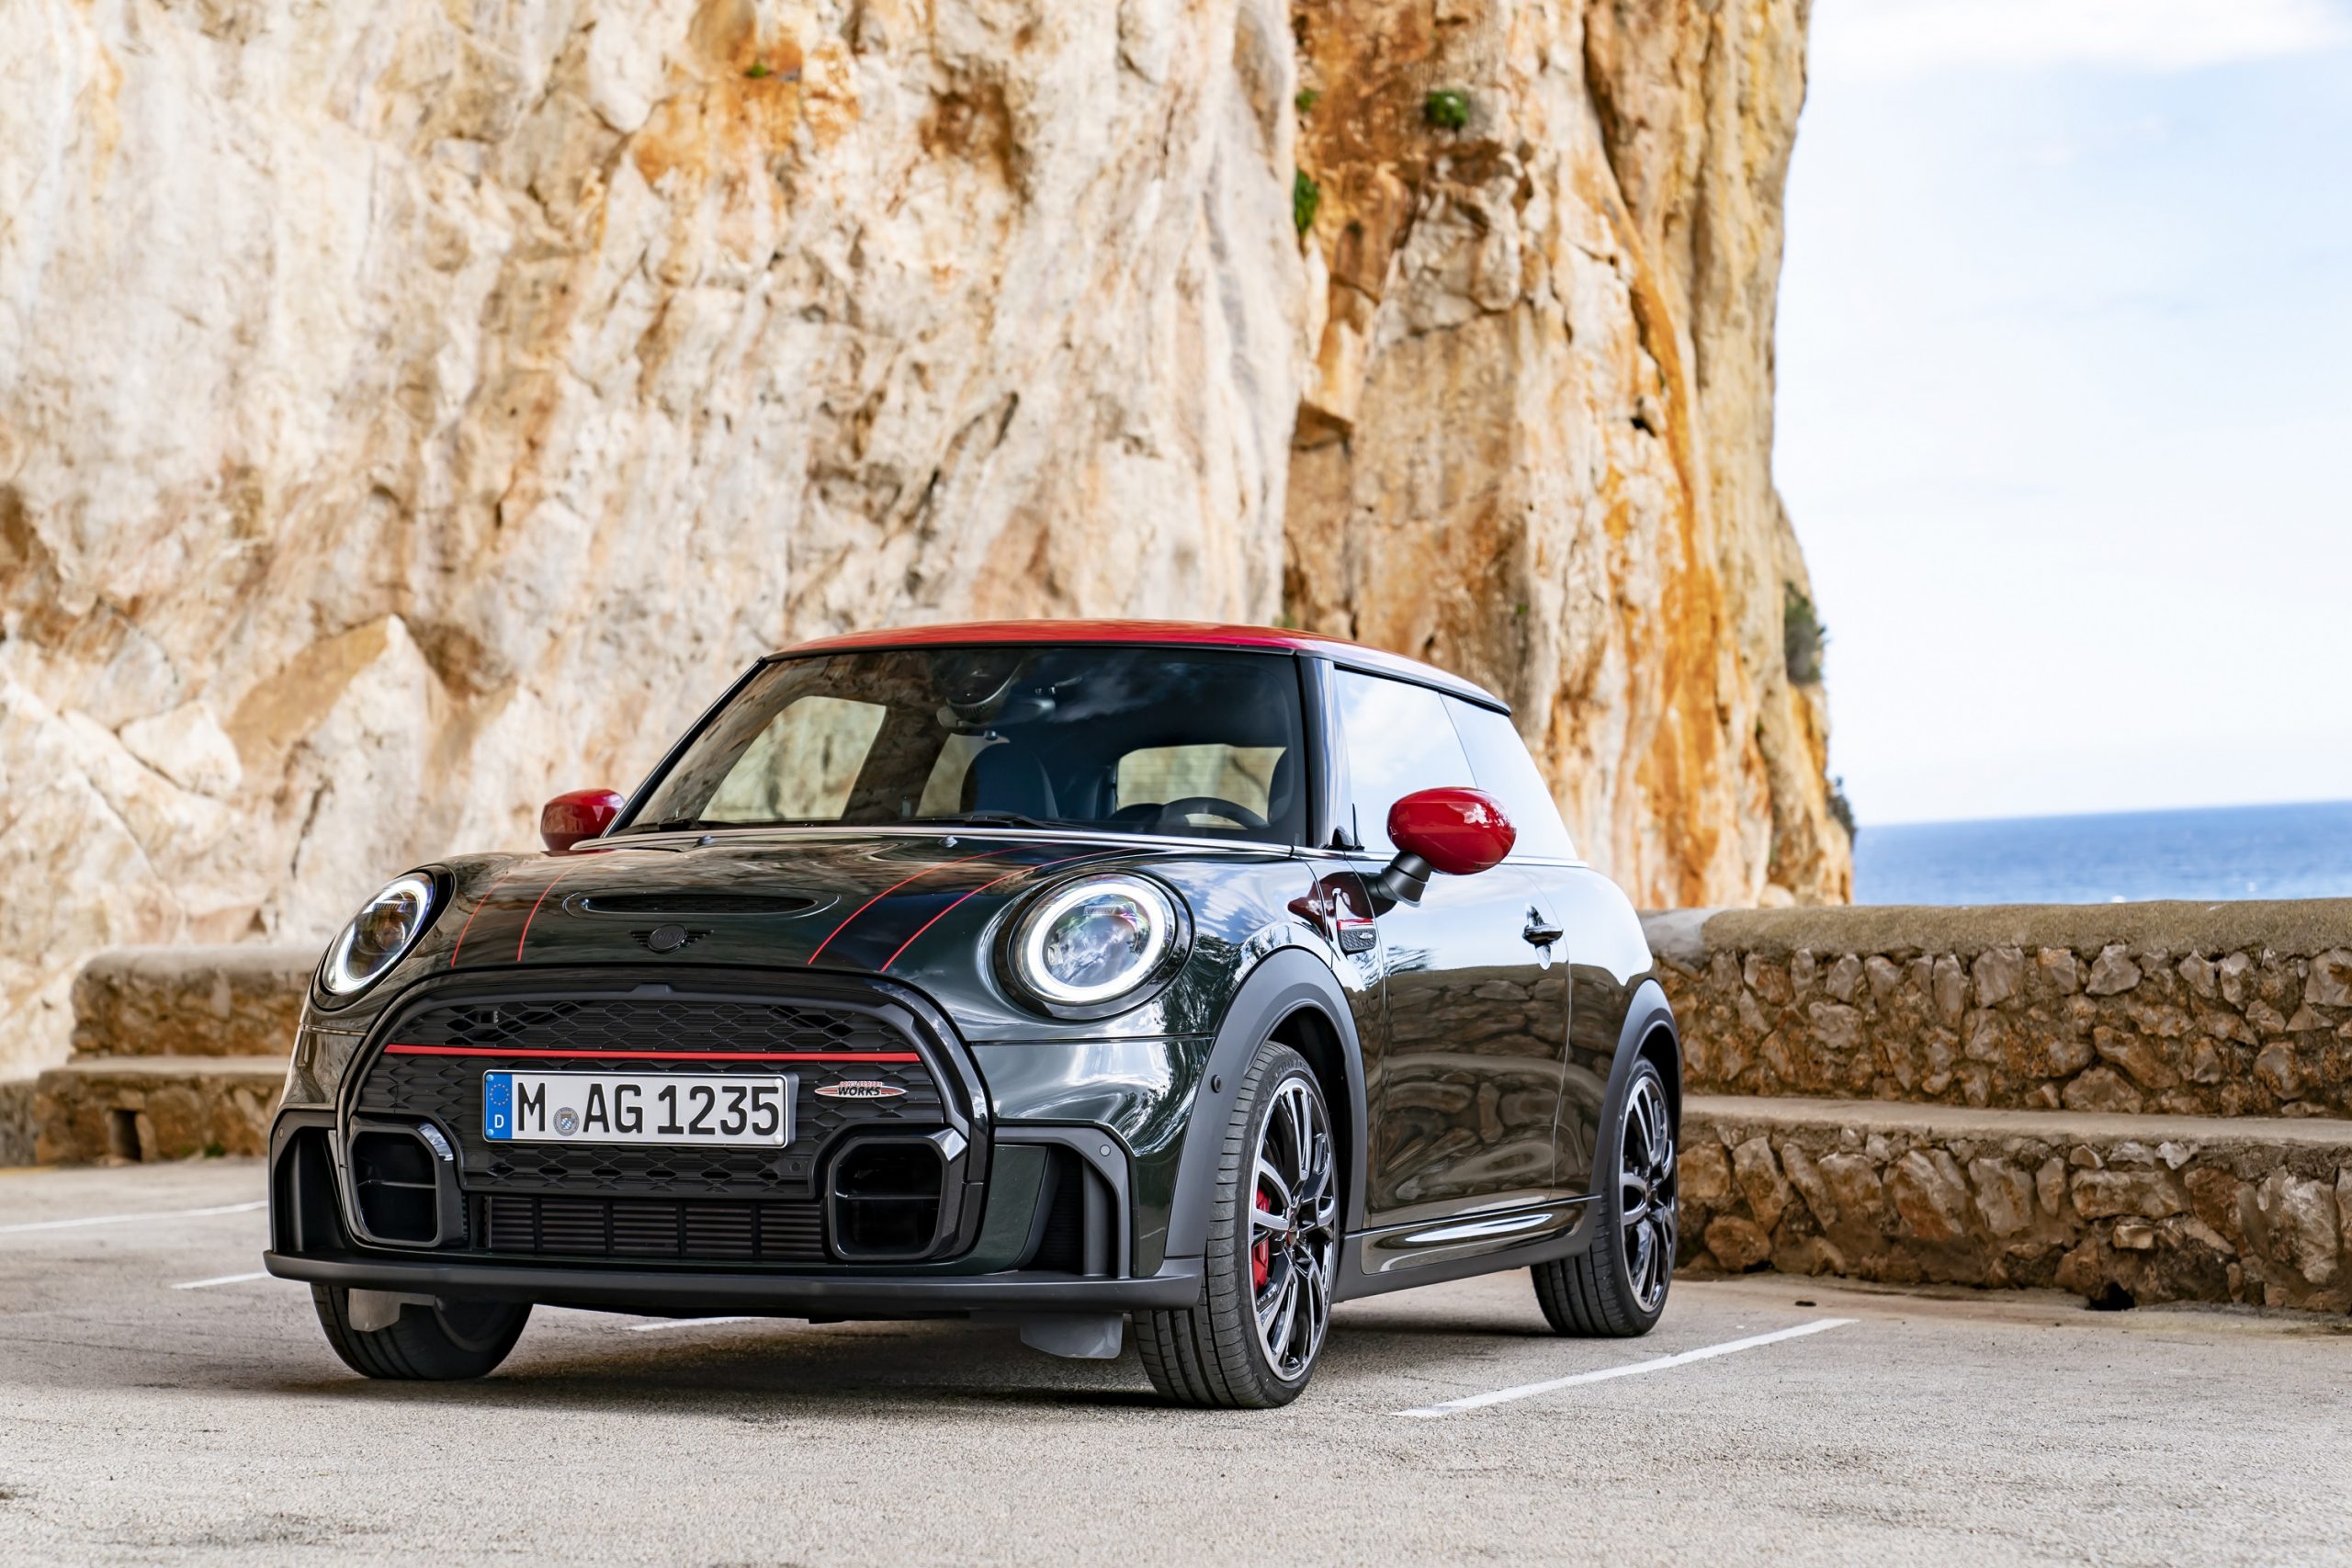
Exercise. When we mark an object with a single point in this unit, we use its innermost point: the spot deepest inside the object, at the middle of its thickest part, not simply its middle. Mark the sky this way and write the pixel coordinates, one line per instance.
(2064, 420)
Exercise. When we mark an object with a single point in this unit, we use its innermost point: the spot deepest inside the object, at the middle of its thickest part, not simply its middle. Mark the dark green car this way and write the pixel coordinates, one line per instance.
(1069, 975)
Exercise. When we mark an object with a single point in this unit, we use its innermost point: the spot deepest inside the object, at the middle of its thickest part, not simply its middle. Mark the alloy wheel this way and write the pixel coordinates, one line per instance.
(1294, 1230)
(1646, 1208)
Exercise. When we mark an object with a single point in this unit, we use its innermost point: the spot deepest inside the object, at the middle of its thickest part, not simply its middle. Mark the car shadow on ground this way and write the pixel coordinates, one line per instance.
(919, 1370)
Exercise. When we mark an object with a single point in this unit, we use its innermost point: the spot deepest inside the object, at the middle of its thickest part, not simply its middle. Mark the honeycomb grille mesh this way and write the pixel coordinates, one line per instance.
(448, 1089)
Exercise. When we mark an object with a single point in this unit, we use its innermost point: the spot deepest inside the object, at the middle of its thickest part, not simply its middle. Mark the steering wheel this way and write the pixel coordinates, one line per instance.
(1174, 813)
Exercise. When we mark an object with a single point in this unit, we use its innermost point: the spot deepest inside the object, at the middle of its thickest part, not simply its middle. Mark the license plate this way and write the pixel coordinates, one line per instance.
(636, 1108)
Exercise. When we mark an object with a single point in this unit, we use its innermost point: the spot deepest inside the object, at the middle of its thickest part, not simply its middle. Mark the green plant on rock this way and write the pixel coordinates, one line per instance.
(1841, 808)
(1448, 109)
(1306, 99)
(1802, 638)
(758, 69)
(1306, 199)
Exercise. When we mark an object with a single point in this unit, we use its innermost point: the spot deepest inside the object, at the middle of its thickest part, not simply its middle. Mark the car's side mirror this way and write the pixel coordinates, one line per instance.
(578, 814)
(1458, 832)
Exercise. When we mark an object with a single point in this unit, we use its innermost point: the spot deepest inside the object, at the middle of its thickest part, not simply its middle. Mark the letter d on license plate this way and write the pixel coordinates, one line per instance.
(636, 1108)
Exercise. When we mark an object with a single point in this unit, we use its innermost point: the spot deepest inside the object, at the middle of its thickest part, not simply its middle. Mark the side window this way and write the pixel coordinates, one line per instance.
(1399, 739)
(1499, 761)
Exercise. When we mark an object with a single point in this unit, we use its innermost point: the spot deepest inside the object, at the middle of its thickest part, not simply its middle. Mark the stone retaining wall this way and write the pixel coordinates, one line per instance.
(2228, 1009)
(152, 1107)
(191, 1001)
(2155, 1208)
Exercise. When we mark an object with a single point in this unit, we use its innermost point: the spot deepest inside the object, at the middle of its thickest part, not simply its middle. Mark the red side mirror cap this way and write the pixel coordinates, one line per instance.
(1459, 832)
(578, 814)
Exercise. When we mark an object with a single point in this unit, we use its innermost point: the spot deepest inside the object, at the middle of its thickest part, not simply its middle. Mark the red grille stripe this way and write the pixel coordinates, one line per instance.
(893, 1056)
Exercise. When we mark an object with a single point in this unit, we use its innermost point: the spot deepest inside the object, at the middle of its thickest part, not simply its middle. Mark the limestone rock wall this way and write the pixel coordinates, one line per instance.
(1534, 443)
(407, 410)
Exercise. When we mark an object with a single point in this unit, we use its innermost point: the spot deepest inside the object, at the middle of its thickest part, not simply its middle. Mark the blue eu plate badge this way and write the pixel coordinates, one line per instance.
(498, 1106)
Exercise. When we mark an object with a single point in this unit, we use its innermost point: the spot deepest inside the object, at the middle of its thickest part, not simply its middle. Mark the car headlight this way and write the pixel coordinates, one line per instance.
(377, 936)
(1093, 940)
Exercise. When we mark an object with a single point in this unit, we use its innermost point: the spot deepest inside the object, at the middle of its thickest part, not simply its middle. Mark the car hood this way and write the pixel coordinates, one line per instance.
(861, 902)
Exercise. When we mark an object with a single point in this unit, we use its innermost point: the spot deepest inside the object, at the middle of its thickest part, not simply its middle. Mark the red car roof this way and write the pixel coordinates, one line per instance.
(1152, 634)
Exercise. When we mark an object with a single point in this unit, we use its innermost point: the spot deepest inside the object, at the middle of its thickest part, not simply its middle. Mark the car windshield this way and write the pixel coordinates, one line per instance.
(1147, 741)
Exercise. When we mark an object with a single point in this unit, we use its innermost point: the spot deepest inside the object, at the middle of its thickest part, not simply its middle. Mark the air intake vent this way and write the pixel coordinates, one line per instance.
(395, 1187)
(1062, 1247)
(886, 1198)
(697, 1232)
(683, 904)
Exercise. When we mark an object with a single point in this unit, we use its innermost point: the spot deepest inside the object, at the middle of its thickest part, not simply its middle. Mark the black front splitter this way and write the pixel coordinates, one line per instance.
(1178, 1284)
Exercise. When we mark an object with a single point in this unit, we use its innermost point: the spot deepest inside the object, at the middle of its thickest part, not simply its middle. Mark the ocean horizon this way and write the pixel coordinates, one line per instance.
(2212, 852)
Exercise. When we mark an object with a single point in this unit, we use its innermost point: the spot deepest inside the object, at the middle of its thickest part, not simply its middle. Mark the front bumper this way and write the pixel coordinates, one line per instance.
(1057, 1199)
(660, 1294)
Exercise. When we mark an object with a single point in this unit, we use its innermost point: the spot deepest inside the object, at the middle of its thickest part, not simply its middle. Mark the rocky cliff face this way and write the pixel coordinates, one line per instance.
(408, 410)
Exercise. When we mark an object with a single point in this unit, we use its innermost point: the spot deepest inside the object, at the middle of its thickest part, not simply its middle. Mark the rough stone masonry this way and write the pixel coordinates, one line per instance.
(2193, 1010)
(2151, 1102)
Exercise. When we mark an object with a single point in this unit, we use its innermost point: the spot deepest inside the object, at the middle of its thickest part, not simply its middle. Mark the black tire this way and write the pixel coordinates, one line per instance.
(1616, 1288)
(447, 1341)
(1215, 1355)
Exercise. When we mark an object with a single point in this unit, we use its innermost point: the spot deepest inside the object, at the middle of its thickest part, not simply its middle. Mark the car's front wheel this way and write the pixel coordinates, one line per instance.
(1616, 1286)
(1273, 1251)
(445, 1340)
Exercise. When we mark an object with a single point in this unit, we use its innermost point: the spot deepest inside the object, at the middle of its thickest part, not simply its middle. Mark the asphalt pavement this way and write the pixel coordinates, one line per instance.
(161, 1404)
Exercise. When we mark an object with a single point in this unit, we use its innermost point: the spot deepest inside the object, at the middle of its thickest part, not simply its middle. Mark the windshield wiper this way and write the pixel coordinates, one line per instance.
(984, 820)
(672, 825)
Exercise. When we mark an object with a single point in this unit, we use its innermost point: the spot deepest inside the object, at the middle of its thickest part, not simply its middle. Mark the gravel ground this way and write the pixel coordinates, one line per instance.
(140, 1422)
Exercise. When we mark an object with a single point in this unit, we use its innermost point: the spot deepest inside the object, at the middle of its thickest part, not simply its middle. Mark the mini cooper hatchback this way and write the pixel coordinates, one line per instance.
(1075, 976)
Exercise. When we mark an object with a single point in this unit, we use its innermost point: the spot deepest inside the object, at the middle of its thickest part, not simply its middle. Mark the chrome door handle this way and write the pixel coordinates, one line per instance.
(1539, 931)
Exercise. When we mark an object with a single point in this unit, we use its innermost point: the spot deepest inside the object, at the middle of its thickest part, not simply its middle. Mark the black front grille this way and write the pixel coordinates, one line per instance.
(491, 1027)
(637, 1023)
(702, 1232)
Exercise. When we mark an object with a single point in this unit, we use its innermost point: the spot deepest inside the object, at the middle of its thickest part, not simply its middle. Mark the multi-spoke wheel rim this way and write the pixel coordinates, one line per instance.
(1294, 1230)
(1645, 1206)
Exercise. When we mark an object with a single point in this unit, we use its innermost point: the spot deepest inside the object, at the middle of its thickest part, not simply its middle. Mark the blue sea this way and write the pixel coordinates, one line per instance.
(2239, 852)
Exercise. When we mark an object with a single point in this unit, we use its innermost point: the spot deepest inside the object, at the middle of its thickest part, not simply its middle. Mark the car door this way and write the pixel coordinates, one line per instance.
(1559, 888)
(1467, 1085)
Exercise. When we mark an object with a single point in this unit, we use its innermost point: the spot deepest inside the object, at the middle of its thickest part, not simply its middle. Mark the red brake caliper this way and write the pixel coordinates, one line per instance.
(1261, 1256)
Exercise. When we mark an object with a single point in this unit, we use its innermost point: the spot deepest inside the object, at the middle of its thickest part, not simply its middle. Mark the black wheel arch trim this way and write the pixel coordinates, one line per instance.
(1645, 1013)
(1287, 981)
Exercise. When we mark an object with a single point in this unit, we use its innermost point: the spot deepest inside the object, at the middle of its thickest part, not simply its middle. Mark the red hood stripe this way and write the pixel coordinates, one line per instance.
(534, 915)
(480, 903)
(918, 876)
(983, 887)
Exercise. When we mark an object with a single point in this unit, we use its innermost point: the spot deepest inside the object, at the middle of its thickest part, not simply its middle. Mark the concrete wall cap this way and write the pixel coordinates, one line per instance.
(2302, 926)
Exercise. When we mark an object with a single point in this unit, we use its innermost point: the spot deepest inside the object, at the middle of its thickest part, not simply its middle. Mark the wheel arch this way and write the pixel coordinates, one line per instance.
(1293, 996)
(1648, 1033)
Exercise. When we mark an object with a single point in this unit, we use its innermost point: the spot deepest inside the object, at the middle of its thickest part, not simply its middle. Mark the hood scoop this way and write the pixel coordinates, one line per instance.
(689, 904)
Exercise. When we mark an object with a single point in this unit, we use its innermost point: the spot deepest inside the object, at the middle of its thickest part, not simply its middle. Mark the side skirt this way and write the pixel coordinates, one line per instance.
(1397, 1258)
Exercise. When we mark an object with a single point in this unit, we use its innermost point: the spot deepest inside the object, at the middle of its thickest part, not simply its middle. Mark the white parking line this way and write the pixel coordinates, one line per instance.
(126, 1219)
(222, 1280)
(1655, 1364)
(684, 1323)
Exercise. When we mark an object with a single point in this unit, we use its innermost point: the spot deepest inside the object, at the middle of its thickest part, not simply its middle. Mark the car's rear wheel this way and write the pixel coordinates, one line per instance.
(447, 1340)
(1616, 1286)
(1273, 1251)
